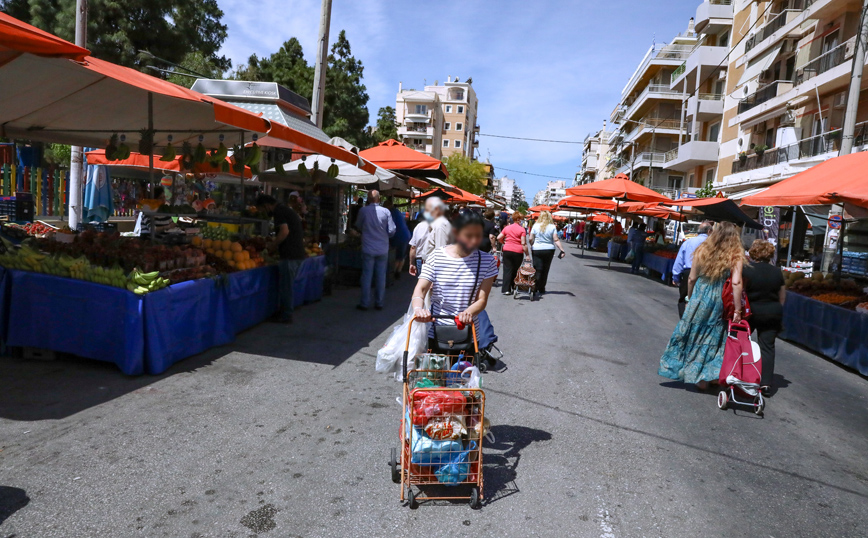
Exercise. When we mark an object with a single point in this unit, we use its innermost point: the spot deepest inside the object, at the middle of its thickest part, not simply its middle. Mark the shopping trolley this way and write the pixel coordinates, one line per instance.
(525, 280)
(442, 427)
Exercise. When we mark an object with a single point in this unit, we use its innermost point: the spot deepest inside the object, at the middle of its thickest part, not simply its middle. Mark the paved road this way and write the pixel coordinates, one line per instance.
(286, 432)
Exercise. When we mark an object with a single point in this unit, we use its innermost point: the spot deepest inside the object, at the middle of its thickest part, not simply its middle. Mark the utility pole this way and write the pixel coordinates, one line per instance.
(319, 75)
(855, 83)
(76, 165)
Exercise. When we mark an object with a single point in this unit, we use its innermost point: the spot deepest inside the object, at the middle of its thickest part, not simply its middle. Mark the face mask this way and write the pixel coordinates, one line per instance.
(428, 216)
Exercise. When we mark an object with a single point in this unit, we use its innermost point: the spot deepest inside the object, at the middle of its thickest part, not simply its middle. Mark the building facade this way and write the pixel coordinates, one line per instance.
(551, 194)
(509, 191)
(595, 155)
(440, 120)
(787, 90)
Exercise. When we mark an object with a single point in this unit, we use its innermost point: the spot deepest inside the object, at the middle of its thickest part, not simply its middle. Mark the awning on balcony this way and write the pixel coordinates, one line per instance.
(744, 194)
(753, 71)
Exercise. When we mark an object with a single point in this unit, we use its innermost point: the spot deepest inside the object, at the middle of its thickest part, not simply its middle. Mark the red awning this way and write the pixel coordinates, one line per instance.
(397, 157)
(585, 202)
(840, 179)
(619, 187)
(17, 37)
(600, 217)
(458, 197)
(138, 160)
(539, 208)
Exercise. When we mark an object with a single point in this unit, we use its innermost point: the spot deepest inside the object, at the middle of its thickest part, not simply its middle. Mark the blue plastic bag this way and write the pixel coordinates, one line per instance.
(455, 472)
(427, 451)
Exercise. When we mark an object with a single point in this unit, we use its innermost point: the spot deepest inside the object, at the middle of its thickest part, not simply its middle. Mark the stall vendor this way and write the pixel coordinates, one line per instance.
(162, 222)
(289, 243)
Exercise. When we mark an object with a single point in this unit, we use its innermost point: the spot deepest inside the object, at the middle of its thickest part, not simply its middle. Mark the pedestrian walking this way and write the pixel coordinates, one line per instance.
(764, 284)
(580, 233)
(376, 225)
(441, 227)
(543, 238)
(419, 242)
(289, 243)
(458, 276)
(515, 250)
(590, 231)
(401, 240)
(568, 231)
(684, 261)
(636, 241)
(695, 351)
(489, 232)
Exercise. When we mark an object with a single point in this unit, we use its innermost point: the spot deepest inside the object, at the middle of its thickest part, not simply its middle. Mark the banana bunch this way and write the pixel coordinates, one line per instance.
(302, 168)
(108, 276)
(200, 154)
(58, 265)
(187, 158)
(253, 155)
(333, 170)
(79, 268)
(219, 155)
(142, 283)
(169, 153)
(29, 259)
(123, 150)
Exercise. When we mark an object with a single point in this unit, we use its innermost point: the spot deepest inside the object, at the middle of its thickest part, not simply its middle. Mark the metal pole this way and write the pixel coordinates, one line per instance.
(849, 128)
(319, 76)
(792, 234)
(151, 155)
(76, 165)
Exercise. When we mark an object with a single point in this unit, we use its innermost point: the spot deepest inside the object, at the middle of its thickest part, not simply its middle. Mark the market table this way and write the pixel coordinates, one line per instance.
(660, 264)
(837, 333)
(617, 251)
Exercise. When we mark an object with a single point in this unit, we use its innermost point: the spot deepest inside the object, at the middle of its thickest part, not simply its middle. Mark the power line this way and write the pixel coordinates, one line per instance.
(531, 139)
(532, 174)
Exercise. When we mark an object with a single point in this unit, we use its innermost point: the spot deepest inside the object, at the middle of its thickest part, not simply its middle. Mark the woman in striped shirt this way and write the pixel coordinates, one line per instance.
(459, 276)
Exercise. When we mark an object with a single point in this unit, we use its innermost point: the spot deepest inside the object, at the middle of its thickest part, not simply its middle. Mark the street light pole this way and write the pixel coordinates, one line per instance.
(319, 76)
(76, 165)
(849, 127)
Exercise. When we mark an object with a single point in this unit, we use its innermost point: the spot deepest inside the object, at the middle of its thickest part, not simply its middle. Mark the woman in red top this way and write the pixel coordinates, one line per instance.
(514, 240)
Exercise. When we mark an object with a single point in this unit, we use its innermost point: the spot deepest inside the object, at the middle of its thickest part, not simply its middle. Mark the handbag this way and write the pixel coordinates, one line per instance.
(450, 337)
(729, 301)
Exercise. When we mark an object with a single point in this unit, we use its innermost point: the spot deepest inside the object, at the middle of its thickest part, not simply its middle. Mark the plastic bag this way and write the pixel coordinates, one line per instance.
(630, 256)
(390, 356)
(455, 472)
(472, 378)
(429, 404)
(448, 427)
(427, 451)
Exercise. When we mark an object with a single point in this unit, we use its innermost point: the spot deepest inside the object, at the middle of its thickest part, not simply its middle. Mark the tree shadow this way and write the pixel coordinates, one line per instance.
(11, 500)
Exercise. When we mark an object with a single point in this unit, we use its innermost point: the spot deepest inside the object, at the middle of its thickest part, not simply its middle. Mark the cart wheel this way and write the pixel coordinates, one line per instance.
(760, 406)
(411, 499)
(393, 463)
(482, 365)
(722, 400)
(475, 502)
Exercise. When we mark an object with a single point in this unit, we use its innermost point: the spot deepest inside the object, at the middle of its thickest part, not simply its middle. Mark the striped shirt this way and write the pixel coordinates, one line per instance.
(453, 281)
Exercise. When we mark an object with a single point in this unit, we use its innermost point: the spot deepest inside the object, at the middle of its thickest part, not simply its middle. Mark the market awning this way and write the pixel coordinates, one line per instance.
(17, 37)
(139, 161)
(719, 209)
(600, 217)
(397, 157)
(841, 179)
(586, 202)
(316, 168)
(459, 196)
(744, 194)
(619, 187)
(538, 208)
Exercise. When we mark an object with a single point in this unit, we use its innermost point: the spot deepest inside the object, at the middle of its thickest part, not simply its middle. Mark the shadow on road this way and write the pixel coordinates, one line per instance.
(501, 469)
(11, 501)
(326, 332)
(720, 454)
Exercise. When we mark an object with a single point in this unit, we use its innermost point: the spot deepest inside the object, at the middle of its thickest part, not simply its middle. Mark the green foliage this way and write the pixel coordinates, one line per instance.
(57, 155)
(387, 125)
(707, 191)
(194, 62)
(465, 173)
(119, 29)
(522, 207)
(286, 67)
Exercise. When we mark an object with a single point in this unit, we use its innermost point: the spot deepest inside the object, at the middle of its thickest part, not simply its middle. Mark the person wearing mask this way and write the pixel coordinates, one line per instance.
(162, 221)
(401, 240)
(695, 351)
(764, 284)
(636, 242)
(441, 227)
(376, 225)
(544, 238)
(419, 241)
(684, 261)
(459, 277)
(489, 232)
(289, 243)
(515, 250)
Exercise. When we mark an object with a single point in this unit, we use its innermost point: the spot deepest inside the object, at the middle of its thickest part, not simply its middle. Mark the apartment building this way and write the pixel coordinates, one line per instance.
(509, 191)
(554, 191)
(439, 120)
(594, 157)
(648, 117)
(788, 76)
(701, 82)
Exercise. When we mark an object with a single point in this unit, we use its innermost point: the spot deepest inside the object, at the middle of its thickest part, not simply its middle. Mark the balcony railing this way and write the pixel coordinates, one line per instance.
(671, 155)
(807, 147)
(710, 96)
(825, 61)
(766, 93)
(678, 72)
(720, 2)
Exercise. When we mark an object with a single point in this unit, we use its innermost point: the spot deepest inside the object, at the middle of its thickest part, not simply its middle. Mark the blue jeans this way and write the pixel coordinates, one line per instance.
(374, 269)
(638, 254)
(288, 269)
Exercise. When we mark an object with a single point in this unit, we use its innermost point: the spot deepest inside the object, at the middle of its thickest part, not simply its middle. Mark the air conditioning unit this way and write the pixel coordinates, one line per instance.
(789, 46)
(840, 100)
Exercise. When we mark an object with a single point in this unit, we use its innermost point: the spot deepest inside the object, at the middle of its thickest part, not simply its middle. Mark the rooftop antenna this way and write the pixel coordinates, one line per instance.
(654, 41)
(424, 81)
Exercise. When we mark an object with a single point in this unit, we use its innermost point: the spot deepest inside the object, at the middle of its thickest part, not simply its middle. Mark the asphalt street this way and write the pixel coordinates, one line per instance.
(286, 433)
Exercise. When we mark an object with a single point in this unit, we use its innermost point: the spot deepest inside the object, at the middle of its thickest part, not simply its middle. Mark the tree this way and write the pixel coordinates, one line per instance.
(346, 97)
(119, 29)
(465, 173)
(194, 65)
(286, 67)
(522, 207)
(387, 125)
(707, 191)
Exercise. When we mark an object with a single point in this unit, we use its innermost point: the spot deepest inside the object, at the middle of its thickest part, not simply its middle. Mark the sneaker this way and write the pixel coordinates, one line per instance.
(507, 293)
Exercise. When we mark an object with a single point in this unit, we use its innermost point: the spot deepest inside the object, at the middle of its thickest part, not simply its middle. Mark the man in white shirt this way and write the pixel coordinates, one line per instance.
(377, 226)
(441, 229)
(419, 240)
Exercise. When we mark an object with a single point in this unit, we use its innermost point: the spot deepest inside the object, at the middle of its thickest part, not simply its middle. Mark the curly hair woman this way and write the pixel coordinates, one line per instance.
(695, 351)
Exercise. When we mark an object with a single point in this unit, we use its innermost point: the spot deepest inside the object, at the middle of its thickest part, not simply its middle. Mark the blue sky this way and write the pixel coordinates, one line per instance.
(544, 69)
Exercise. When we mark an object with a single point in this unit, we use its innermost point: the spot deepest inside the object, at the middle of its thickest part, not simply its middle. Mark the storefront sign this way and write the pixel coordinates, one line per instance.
(770, 218)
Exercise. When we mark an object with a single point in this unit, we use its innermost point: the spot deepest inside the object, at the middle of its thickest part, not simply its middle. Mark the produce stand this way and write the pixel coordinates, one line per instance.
(659, 264)
(837, 333)
(618, 251)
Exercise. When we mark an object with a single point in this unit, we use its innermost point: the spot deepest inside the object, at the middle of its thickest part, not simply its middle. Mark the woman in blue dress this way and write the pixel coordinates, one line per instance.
(695, 351)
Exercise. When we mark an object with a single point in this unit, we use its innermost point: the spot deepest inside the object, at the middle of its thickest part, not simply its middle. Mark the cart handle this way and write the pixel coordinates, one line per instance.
(458, 324)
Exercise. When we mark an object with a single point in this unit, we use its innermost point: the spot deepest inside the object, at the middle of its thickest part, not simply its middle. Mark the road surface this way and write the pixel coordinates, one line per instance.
(286, 433)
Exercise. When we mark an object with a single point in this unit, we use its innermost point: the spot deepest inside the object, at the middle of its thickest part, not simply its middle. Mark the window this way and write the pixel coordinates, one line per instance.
(458, 143)
(445, 143)
(447, 126)
(461, 107)
(675, 182)
(448, 109)
(709, 176)
(459, 126)
(723, 39)
(714, 132)
(421, 109)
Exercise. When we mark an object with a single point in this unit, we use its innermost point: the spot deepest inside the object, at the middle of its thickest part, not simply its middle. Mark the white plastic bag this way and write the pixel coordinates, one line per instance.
(390, 356)
(473, 377)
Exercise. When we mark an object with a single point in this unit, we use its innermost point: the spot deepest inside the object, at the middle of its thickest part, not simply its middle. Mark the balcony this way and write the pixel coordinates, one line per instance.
(652, 91)
(416, 132)
(668, 55)
(709, 106)
(419, 117)
(691, 154)
(476, 128)
(645, 159)
(777, 21)
(825, 62)
(764, 94)
(712, 13)
(703, 59)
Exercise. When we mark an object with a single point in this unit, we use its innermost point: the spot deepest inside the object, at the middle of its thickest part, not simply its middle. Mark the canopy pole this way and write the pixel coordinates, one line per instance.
(151, 153)
(792, 234)
(615, 220)
(76, 165)
(840, 249)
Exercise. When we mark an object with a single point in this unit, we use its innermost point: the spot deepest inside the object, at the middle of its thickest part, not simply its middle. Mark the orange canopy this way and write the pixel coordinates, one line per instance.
(840, 179)
(585, 202)
(600, 217)
(460, 196)
(539, 208)
(17, 37)
(138, 160)
(619, 187)
(397, 157)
